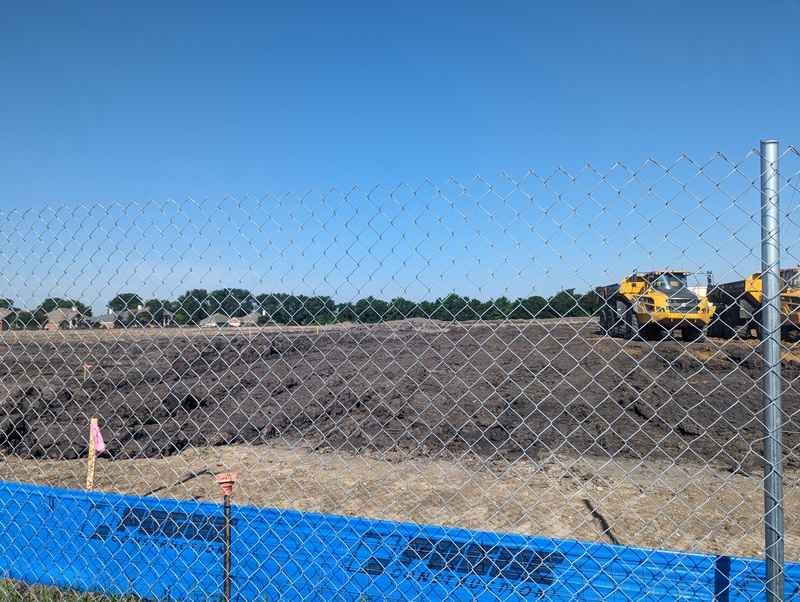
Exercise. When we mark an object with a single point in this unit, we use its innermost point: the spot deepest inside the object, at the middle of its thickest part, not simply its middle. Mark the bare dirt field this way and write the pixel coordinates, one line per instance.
(541, 428)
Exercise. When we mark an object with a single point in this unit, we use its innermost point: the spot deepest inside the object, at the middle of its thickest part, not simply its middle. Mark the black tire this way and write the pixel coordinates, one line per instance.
(618, 325)
(727, 331)
(691, 333)
(652, 332)
(714, 328)
(755, 321)
(720, 328)
(632, 325)
(613, 322)
(605, 320)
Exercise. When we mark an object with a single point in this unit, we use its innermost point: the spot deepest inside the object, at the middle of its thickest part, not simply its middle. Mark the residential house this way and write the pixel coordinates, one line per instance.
(160, 318)
(248, 320)
(163, 319)
(214, 320)
(108, 320)
(8, 318)
(69, 319)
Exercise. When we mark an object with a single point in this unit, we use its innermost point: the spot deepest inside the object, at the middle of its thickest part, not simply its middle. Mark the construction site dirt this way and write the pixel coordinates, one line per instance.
(552, 405)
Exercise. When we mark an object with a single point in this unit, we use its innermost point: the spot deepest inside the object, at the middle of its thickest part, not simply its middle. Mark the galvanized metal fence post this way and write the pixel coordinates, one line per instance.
(771, 370)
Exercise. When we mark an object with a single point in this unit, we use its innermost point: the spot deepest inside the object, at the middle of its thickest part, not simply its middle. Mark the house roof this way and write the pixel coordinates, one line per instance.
(215, 319)
(248, 319)
(60, 314)
(147, 308)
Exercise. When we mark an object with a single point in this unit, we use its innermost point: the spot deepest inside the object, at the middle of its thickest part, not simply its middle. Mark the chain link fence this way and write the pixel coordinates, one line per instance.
(456, 354)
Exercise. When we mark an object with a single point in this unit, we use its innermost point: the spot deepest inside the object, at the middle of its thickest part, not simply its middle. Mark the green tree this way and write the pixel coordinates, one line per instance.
(232, 302)
(428, 308)
(322, 309)
(295, 308)
(589, 303)
(402, 309)
(501, 309)
(284, 308)
(52, 303)
(272, 307)
(346, 312)
(193, 306)
(565, 304)
(481, 309)
(30, 320)
(370, 310)
(151, 312)
(535, 307)
(125, 301)
(455, 307)
(157, 306)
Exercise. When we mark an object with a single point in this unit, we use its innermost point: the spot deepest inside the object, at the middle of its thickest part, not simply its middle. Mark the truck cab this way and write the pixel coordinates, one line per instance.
(739, 305)
(652, 304)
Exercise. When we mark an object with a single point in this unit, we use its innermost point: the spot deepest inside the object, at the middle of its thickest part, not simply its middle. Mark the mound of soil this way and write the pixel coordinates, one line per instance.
(413, 388)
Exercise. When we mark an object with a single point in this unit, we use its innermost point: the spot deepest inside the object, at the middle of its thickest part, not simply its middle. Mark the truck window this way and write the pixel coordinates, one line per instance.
(792, 279)
(669, 282)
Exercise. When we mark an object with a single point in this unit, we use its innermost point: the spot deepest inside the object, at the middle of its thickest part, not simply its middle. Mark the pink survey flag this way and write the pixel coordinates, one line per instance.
(88, 366)
(97, 439)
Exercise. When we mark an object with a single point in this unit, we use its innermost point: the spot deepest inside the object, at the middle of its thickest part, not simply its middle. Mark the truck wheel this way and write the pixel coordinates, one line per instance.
(719, 327)
(619, 326)
(632, 320)
(727, 331)
(691, 333)
(610, 315)
(652, 332)
(727, 328)
(604, 321)
(759, 328)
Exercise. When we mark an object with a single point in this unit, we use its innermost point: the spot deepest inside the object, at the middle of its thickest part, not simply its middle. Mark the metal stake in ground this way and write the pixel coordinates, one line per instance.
(226, 481)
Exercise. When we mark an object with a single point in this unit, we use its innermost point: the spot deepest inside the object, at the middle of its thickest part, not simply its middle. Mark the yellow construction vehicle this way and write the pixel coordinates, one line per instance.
(653, 304)
(739, 306)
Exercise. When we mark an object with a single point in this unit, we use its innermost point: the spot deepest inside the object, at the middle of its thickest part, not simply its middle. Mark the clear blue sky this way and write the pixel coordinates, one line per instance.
(106, 102)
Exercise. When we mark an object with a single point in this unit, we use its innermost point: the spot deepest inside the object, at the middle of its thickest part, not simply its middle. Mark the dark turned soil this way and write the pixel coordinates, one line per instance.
(415, 388)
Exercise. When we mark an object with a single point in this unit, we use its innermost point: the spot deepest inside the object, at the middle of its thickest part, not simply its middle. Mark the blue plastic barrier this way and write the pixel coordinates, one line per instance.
(172, 550)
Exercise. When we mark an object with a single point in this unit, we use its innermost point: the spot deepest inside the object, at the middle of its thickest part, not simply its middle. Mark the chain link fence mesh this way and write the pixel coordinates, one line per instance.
(431, 354)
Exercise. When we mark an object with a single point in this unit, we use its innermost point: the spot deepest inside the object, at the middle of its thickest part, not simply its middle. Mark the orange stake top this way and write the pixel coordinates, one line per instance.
(226, 481)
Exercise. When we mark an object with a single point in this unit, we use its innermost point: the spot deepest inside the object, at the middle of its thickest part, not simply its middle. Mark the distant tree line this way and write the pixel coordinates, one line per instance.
(282, 308)
(287, 309)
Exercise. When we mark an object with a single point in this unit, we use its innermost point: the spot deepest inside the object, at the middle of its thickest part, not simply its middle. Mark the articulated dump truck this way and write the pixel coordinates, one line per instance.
(653, 304)
(739, 306)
